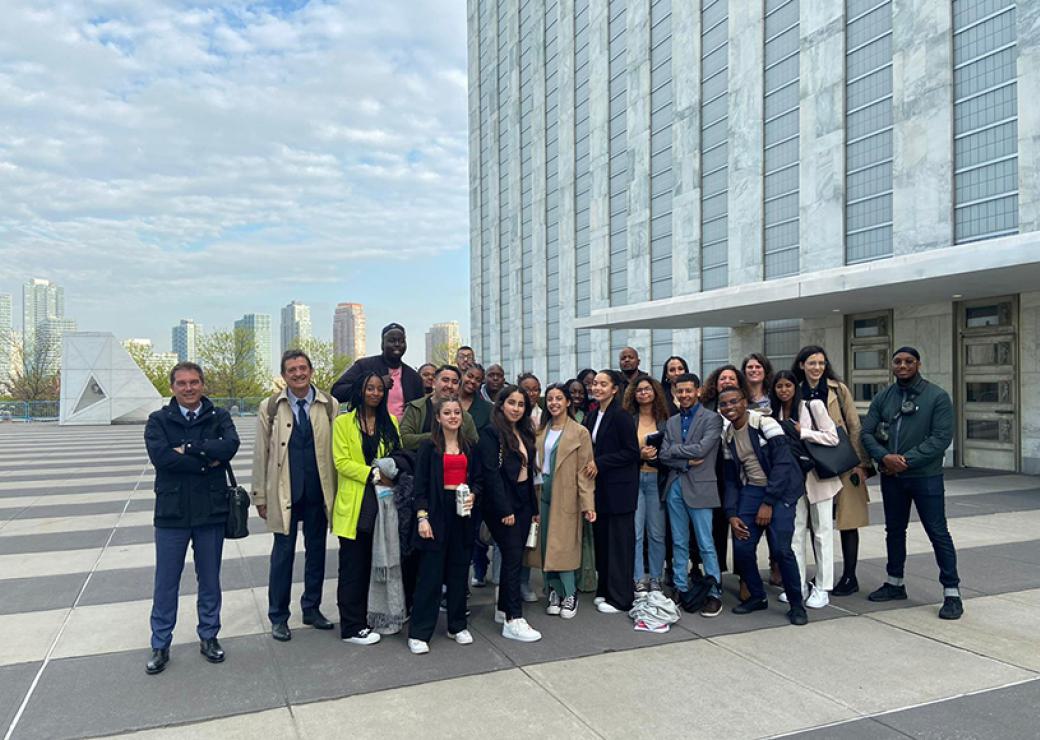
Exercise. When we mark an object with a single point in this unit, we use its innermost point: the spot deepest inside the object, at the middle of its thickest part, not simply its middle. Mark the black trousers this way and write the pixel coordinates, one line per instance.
(615, 558)
(310, 510)
(355, 573)
(511, 542)
(447, 565)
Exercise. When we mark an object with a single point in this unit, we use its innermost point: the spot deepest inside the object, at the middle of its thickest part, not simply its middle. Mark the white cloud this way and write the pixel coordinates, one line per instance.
(133, 133)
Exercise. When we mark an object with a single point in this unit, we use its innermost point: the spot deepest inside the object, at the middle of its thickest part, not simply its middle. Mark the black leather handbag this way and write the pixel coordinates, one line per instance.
(237, 525)
(830, 462)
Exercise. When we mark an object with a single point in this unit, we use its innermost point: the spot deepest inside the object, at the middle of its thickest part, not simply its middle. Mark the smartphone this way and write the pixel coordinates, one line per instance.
(854, 478)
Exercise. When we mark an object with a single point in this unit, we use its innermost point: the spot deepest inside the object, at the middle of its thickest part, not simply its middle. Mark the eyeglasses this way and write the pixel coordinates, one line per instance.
(644, 390)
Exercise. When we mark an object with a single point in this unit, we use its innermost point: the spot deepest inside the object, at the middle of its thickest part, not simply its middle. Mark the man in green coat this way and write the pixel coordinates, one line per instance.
(906, 431)
(417, 424)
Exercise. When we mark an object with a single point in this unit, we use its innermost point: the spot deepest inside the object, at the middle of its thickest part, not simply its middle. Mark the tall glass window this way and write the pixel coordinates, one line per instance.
(619, 175)
(781, 342)
(781, 138)
(488, 81)
(662, 178)
(985, 119)
(552, 190)
(714, 143)
(527, 71)
(582, 178)
(714, 349)
(505, 205)
(868, 130)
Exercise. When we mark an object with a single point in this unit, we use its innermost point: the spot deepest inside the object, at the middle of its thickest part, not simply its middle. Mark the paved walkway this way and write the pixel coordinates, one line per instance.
(76, 561)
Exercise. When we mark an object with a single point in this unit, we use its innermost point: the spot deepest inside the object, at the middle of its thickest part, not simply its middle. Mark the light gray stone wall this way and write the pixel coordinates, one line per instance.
(746, 110)
(827, 332)
(494, 351)
(1028, 116)
(538, 329)
(745, 339)
(922, 111)
(821, 121)
(568, 269)
(514, 331)
(599, 167)
(1029, 380)
(637, 51)
(475, 165)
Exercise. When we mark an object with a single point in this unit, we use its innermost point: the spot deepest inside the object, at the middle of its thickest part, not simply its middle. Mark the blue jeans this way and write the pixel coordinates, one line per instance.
(928, 495)
(679, 513)
(649, 516)
(744, 551)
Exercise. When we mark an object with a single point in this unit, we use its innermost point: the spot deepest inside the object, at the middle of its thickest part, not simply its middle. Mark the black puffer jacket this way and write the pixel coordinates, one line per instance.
(190, 491)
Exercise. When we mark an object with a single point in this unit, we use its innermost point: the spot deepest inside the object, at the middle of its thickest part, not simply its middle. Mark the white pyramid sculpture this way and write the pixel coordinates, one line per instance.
(101, 383)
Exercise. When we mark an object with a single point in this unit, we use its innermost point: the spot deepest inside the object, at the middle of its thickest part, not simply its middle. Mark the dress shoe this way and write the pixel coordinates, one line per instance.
(211, 650)
(952, 608)
(847, 586)
(888, 592)
(317, 620)
(751, 605)
(796, 615)
(157, 663)
(281, 632)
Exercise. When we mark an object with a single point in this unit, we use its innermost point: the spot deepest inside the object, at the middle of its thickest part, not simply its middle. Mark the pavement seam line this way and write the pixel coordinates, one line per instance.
(68, 616)
(571, 711)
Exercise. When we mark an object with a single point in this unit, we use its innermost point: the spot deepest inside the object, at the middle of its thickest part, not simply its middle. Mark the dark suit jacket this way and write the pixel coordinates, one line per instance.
(617, 460)
(410, 380)
(502, 494)
(430, 493)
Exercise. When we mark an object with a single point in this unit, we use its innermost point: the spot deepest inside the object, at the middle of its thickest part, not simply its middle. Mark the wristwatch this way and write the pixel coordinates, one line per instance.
(422, 514)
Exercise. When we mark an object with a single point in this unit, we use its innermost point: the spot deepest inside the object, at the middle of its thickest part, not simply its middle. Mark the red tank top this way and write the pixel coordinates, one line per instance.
(455, 467)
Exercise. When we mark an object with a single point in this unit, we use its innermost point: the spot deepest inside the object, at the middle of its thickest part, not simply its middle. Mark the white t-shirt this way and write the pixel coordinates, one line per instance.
(551, 437)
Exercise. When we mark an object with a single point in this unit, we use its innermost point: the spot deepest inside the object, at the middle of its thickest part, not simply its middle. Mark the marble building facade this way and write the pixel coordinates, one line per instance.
(709, 178)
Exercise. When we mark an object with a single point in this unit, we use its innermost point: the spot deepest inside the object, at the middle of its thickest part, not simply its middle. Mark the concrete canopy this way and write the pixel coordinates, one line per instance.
(101, 383)
(978, 270)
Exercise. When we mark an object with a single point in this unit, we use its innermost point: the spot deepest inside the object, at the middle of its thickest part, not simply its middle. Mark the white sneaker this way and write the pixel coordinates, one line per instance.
(500, 616)
(817, 599)
(462, 637)
(782, 598)
(569, 607)
(598, 600)
(364, 637)
(553, 607)
(418, 647)
(605, 608)
(528, 595)
(518, 629)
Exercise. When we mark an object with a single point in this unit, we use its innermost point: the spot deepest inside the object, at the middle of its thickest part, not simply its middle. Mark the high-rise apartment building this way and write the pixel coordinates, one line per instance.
(712, 177)
(296, 325)
(6, 336)
(258, 329)
(48, 342)
(42, 300)
(348, 330)
(185, 340)
(442, 342)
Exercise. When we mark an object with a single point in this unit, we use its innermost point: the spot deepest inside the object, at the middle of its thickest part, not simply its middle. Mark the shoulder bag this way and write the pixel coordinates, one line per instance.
(237, 525)
(831, 462)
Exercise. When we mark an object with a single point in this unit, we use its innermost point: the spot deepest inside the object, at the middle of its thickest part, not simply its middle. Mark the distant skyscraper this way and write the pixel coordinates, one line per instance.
(348, 330)
(6, 336)
(442, 341)
(185, 343)
(296, 325)
(49, 334)
(258, 327)
(42, 300)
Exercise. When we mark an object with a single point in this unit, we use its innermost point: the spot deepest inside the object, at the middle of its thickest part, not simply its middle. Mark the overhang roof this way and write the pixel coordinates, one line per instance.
(981, 269)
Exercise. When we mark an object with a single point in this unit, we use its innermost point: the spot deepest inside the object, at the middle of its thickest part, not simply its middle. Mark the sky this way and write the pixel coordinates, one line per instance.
(166, 159)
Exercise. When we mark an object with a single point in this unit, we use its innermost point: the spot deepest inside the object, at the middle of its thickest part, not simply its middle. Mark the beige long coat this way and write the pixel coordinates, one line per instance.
(852, 500)
(270, 484)
(572, 493)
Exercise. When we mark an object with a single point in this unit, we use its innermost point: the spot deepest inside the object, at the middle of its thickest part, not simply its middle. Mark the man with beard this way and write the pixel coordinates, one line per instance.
(403, 382)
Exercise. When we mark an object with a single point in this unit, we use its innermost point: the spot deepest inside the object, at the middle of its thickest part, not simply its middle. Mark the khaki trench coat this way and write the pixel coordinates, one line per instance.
(270, 484)
(852, 500)
(572, 493)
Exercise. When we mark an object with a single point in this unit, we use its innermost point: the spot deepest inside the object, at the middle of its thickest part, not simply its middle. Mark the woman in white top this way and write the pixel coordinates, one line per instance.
(811, 422)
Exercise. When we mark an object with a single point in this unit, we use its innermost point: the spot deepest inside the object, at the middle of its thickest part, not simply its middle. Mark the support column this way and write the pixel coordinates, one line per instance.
(1028, 118)
(476, 167)
(538, 240)
(637, 122)
(599, 169)
(568, 269)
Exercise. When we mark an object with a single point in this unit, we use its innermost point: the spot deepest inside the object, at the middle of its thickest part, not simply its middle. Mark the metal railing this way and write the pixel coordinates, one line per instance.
(50, 410)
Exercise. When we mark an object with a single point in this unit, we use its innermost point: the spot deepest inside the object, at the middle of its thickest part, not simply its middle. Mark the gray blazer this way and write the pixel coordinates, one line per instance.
(699, 488)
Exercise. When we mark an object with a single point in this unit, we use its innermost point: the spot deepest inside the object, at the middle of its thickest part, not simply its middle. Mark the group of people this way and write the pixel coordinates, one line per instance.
(447, 478)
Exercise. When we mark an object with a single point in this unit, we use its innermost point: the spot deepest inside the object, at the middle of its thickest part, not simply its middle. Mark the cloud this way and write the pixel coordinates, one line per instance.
(138, 134)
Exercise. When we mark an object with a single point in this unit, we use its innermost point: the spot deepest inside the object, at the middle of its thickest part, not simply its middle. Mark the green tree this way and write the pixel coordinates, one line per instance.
(33, 374)
(157, 372)
(328, 366)
(232, 365)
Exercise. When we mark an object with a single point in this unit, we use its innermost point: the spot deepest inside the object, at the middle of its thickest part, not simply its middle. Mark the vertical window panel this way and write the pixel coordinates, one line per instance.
(714, 143)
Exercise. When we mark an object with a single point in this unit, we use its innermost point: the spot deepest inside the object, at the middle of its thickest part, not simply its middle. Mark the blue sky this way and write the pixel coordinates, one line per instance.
(165, 160)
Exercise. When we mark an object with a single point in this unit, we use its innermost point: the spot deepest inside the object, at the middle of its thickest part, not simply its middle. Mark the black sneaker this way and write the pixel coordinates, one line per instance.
(796, 615)
(952, 608)
(888, 592)
(846, 586)
(751, 605)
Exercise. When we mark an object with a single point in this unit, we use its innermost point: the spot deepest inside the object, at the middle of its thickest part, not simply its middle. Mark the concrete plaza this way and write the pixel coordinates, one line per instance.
(76, 559)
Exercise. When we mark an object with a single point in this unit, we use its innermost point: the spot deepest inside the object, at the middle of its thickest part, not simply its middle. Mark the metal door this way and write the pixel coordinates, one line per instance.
(988, 390)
